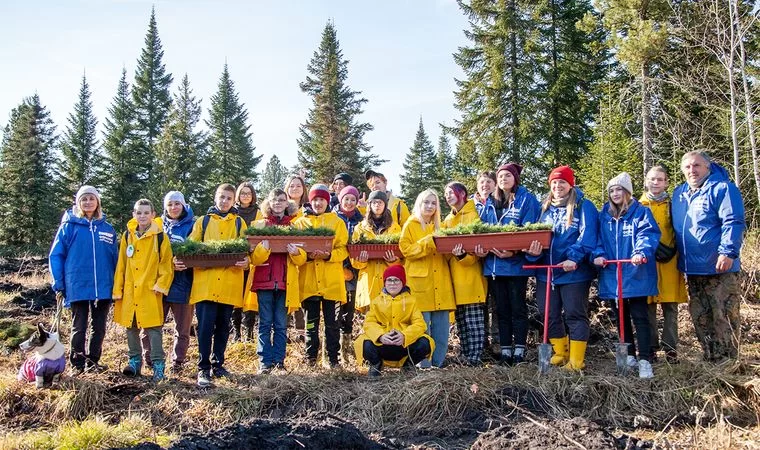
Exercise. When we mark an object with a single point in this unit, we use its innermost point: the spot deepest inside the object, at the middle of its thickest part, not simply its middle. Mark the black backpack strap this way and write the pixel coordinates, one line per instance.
(238, 225)
(398, 212)
(204, 225)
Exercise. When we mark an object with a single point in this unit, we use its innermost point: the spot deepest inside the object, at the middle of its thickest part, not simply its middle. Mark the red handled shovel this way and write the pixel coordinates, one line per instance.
(621, 348)
(545, 349)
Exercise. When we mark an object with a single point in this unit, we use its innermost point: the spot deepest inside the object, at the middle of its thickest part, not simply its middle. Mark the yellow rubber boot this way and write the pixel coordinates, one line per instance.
(560, 346)
(577, 355)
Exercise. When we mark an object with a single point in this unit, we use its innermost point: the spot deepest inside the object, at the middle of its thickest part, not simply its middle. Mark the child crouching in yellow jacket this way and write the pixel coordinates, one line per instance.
(394, 329)
(144, 275)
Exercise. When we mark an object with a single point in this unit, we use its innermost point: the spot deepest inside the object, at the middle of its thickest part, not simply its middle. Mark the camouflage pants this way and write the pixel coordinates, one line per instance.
(714, 307)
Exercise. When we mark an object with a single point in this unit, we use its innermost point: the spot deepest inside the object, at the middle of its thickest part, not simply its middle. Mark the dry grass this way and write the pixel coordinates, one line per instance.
(690, 405)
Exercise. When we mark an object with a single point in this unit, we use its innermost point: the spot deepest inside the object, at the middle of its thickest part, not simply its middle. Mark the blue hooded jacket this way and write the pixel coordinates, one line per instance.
(636, 233)
(708, 223)
(525, 209)
(177, 231)
(83, 258)
(575, 242)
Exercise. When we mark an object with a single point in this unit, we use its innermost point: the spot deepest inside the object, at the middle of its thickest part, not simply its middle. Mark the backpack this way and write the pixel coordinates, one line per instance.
(207, 218)
(160, 241)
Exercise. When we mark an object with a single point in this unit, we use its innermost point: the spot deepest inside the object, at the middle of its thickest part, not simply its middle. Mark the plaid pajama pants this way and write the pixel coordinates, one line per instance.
(472, 331)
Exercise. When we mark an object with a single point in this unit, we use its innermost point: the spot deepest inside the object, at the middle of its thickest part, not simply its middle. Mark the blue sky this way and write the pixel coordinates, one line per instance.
(400, 55)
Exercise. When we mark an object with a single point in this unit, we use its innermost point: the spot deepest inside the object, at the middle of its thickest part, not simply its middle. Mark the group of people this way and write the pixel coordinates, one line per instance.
(690, 242)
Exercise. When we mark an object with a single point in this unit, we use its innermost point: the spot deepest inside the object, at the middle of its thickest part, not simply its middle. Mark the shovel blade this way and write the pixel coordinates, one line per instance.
(544, 357)
(621, 358)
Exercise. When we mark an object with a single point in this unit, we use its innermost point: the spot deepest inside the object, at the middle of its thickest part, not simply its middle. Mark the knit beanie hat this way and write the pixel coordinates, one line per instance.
(378, 195)
(348, 190)
(348, 179)
(319, 190)
(513, 168)
(87, 190)
(395, 270)
(563, 173)
(174, 196)
(623, 180)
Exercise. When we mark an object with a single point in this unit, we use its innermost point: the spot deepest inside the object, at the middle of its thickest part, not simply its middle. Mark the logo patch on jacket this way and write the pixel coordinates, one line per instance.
(105, 237)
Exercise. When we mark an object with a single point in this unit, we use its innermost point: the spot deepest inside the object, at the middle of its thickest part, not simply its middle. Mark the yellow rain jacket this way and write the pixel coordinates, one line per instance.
(261, 256)
(466, 273)
(323, 278)
(386, 313)
(397, 207)
(670, 282)
(427, 273)
(218, 284)
(370, 280)
(142, 279)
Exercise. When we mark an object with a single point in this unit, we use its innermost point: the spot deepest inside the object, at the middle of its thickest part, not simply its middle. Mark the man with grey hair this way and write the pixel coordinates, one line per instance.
(708, 218)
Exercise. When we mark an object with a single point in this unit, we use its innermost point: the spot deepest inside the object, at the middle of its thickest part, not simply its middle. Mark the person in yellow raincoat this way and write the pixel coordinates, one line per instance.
(321, 276)
(274, 285)
(295, 187)
(376, 181)
(428, 273)
(470, 288)
(378, 221)
(670, 282)
(144, 275)
(394, 330)
(216, 290)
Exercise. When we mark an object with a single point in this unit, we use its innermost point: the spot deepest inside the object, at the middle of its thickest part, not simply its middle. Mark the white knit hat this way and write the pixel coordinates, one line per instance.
(623, 180)
(174, 196)
(87, 190)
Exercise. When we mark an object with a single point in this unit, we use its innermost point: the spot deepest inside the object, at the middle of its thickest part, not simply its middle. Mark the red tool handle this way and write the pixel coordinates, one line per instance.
(620, 262)
(548, 293)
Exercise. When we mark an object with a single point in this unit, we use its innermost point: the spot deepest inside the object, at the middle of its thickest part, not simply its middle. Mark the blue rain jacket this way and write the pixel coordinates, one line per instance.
(636, 233)
(575, 242)
(177, 231)
(83, 258)
(524, 210)
(708, 223)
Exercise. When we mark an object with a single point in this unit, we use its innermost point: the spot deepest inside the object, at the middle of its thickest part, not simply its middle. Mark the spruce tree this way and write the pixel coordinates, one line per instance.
(419, 166)
(81, 160)
(151, 97)
(443, 170)
(28, 217)
(231, 147)
(332, 138)
(123, 181)
(273, 177)
(181, 153)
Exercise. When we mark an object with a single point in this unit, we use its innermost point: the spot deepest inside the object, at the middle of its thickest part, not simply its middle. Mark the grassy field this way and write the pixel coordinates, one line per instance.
(688, 405)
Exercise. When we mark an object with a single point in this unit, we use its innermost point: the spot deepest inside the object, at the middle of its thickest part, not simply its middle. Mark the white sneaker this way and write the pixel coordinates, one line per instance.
(645, 369)
(631, 361)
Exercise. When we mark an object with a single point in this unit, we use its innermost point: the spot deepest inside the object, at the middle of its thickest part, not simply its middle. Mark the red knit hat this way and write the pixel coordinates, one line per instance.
(563, 173)
(396, 270)
(319, 190)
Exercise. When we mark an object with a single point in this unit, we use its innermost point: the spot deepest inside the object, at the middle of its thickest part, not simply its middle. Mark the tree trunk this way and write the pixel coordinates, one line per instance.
(729, 64)
(646, 120)
(515, 150)
(748, 106)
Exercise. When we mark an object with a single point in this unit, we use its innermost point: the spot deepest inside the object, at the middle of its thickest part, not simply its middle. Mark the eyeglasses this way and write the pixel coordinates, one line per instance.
(393, 280)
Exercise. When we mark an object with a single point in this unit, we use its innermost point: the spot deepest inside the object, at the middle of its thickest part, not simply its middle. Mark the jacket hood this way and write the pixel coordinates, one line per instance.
(214, 210)
(70, 217)
(717, 174)
(155, 227)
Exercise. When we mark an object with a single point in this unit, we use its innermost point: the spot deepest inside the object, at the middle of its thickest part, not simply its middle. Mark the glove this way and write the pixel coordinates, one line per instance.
(664, 253)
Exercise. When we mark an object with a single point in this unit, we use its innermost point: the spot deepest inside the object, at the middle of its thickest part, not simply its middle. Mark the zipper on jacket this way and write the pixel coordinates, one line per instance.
(94, 262)
(683, 233)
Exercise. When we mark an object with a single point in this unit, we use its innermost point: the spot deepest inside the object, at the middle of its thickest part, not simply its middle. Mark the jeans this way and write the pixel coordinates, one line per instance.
(88, 314)
(213, 333)
(636, 309)
(376, 354)
(572, 299)
(509, 296)
(311, 307)
(273, 322)
(437, 328)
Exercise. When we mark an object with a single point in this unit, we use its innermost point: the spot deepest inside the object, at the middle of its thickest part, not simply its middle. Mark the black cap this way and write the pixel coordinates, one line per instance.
(348, 179)
(371, 173)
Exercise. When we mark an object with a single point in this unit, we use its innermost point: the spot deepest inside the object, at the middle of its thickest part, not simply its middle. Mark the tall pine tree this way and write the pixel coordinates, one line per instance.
(27, 212)
(123, 181)
(273, 177)
(151, 98)
(419, 166)
(231, 146)
(443, 170)
(81, 160)
(332, 139)
(181, 153)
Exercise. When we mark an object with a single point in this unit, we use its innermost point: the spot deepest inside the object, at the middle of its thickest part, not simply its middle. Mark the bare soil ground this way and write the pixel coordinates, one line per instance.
(689, 405)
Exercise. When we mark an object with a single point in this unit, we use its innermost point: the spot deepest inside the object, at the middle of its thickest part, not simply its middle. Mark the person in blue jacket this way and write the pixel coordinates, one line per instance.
(627, 230)
(177, 220)
(708, 218)
(575, 222)
(510, 203)
(82, 263)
